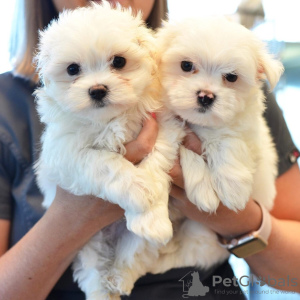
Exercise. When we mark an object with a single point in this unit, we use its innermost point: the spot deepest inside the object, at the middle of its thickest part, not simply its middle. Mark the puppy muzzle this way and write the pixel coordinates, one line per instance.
(205, 98)
(98, 93)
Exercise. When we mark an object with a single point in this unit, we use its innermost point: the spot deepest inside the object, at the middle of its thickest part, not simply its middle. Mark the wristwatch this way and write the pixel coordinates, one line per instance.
(253, 242)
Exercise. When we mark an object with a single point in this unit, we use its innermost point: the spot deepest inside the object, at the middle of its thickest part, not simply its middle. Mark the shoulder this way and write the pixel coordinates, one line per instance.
(19, 122)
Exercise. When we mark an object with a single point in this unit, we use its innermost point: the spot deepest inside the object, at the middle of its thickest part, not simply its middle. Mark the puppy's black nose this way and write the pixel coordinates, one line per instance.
(98, 92)
(206, 98)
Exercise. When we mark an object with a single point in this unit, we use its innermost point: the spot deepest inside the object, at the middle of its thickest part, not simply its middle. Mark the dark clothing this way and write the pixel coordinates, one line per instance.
(172, 285)
(20, 130)
(20, 198)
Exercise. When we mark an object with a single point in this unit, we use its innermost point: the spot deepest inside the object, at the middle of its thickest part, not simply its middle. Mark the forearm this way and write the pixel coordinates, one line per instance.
(4, 235)
(281, 257)
(278, 260)
(32, 267)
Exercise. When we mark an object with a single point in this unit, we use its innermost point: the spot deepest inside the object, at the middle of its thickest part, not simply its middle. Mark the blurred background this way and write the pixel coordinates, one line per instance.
(276, 22)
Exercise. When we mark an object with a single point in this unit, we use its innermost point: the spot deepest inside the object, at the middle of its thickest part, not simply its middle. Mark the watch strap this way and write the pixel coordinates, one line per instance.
(252, 242)
(265, 228)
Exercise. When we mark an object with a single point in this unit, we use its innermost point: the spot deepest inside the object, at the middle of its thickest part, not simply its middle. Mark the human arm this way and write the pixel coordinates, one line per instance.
(281, 257)
(31, 268)
(4, 235)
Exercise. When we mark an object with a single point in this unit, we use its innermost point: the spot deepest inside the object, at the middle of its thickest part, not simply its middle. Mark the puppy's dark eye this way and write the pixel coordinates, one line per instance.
(186, 66)
(73, 69)
(119, 62)
(231, 77)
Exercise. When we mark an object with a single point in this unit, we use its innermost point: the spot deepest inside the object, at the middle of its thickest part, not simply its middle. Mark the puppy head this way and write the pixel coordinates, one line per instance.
(96, 62)
(210, 67)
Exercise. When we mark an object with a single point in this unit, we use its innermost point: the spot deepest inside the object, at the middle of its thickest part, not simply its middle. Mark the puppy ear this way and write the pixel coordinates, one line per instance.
(165, 35)
(269, 68)
(146, 41)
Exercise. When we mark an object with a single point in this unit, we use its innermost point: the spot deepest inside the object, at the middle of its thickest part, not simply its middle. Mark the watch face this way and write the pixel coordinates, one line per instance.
(250, 247)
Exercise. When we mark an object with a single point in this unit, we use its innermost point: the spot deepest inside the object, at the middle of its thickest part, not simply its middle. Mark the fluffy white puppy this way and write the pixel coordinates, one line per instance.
(212, 71)
(99, 80)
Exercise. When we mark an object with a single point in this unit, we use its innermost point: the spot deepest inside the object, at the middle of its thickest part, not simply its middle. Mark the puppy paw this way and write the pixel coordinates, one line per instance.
(234, 194)
(99, 295)
(153, 225)
(119, 283)
(142, 194)
(236, 203)
(203, 196)
(139, 198)
(208, 202)
(198, 185)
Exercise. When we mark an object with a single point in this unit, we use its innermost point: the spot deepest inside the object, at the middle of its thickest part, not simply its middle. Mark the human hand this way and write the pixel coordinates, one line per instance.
(139, 148)
(191, 142)
(225, 222)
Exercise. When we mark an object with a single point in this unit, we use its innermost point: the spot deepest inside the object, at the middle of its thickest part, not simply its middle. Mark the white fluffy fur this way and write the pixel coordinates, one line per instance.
(83, 144)
(239, 159)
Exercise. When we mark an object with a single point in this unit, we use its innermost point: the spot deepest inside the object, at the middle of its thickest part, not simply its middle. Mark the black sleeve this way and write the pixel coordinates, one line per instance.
(286, 149)
(7, 165)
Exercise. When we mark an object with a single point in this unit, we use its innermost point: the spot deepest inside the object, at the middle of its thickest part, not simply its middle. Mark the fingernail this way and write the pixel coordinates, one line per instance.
(153, 115)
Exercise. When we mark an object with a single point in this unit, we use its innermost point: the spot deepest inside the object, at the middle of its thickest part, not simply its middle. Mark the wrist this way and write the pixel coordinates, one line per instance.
(251, 242)
(82, 216)
(230, 224)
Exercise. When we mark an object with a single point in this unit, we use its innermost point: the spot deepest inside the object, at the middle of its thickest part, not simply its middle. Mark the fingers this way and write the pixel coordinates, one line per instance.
(177, 175)
(178, 194)
(149, 132)
(192, 142)
(181, 202)
(139, 148)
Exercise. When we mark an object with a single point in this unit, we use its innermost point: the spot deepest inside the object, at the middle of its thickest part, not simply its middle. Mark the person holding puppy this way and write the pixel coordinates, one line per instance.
(40, 246)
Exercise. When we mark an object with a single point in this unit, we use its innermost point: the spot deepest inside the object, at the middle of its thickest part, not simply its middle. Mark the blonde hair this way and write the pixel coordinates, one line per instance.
(33, 15)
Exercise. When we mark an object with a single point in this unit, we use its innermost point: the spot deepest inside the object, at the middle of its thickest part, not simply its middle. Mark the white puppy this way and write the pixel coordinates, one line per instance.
(211, 72)
(99, 81)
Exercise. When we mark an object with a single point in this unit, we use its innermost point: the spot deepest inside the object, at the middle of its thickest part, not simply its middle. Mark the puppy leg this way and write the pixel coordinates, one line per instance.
(136, 189)
(231, 168)
(133, 259)
(110, 176)
(91, 267)
(157, 164)
(154, 225)
(264, 188)
(198, 185)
